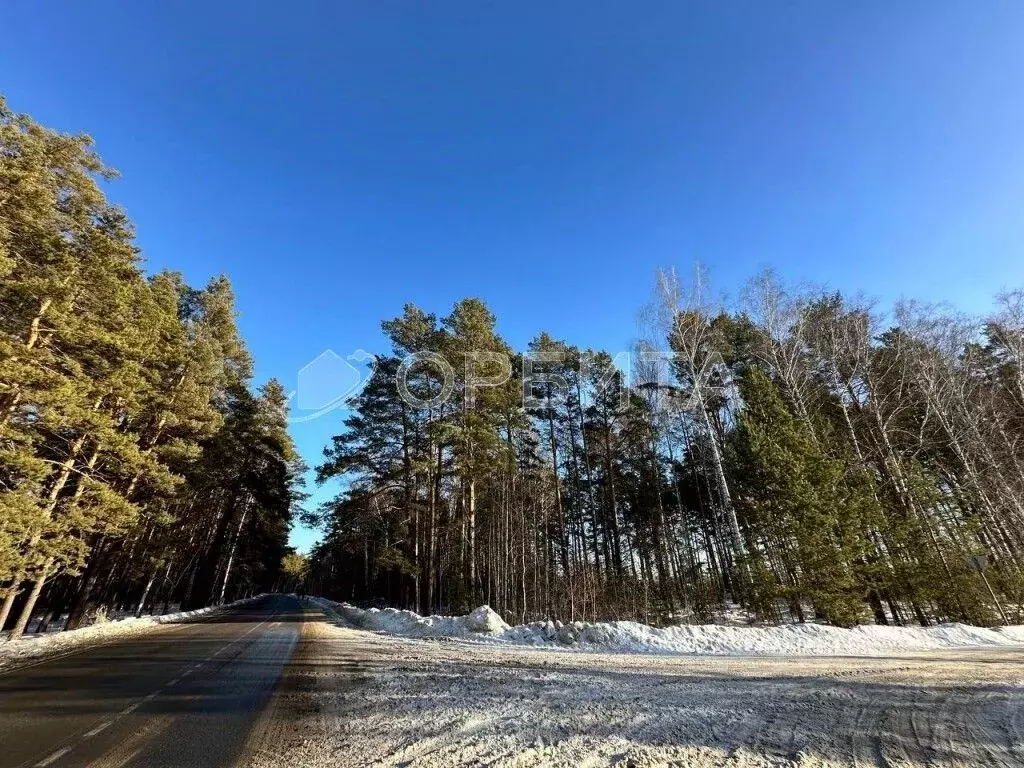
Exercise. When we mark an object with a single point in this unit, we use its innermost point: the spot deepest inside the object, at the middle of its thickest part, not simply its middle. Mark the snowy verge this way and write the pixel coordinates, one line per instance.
(484, 625)
(31, 648)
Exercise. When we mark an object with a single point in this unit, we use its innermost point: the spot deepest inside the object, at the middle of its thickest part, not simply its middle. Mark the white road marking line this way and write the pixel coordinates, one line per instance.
(53, 757)
(189, 670)
(238, 639)
(97, 729)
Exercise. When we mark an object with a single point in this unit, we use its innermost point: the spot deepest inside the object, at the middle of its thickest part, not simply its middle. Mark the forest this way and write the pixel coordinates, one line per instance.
(139, 466)
(794, 454)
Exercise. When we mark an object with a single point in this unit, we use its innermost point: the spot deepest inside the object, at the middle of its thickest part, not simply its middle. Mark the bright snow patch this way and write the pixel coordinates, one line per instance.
(485, 625)
(483, 619)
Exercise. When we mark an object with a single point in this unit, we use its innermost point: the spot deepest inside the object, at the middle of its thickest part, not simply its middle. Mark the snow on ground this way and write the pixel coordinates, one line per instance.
(57, 623)
(484, 625)
(356, 698)
(33, 647)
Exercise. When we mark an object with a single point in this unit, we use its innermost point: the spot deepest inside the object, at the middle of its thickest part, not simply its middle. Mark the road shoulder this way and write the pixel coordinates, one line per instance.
(357, 698)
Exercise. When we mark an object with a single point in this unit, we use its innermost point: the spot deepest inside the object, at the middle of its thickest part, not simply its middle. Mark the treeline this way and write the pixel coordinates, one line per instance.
(138, 467)
(801, 455)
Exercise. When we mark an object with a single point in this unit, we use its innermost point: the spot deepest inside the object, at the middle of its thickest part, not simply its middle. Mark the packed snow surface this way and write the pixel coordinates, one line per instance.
(484, 625)
(358, 699)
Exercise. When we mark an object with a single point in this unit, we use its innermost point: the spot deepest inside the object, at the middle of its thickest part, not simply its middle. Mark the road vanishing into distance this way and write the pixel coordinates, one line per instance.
(187, 694)
(278, 684)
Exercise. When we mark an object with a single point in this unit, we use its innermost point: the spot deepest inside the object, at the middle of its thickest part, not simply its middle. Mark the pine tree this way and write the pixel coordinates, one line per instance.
(796, 500)
(112, 391)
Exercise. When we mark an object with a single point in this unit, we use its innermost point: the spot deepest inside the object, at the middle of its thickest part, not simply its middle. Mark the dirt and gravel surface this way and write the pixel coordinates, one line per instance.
(354, 698)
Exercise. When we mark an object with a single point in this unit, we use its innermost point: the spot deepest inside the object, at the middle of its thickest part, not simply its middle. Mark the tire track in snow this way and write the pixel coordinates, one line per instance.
(422, 704)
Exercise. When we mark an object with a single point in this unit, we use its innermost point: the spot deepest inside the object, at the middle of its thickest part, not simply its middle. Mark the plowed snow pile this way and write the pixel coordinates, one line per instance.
(484, 625)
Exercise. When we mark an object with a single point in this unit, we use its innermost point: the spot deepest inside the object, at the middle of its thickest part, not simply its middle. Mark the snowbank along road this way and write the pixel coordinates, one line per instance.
(278, 684)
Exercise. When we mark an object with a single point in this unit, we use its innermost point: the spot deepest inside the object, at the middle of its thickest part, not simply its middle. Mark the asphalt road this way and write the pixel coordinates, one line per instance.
(189, 694)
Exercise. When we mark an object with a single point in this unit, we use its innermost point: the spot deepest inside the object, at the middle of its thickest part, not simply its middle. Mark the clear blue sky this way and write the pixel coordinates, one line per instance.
(337, 159)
